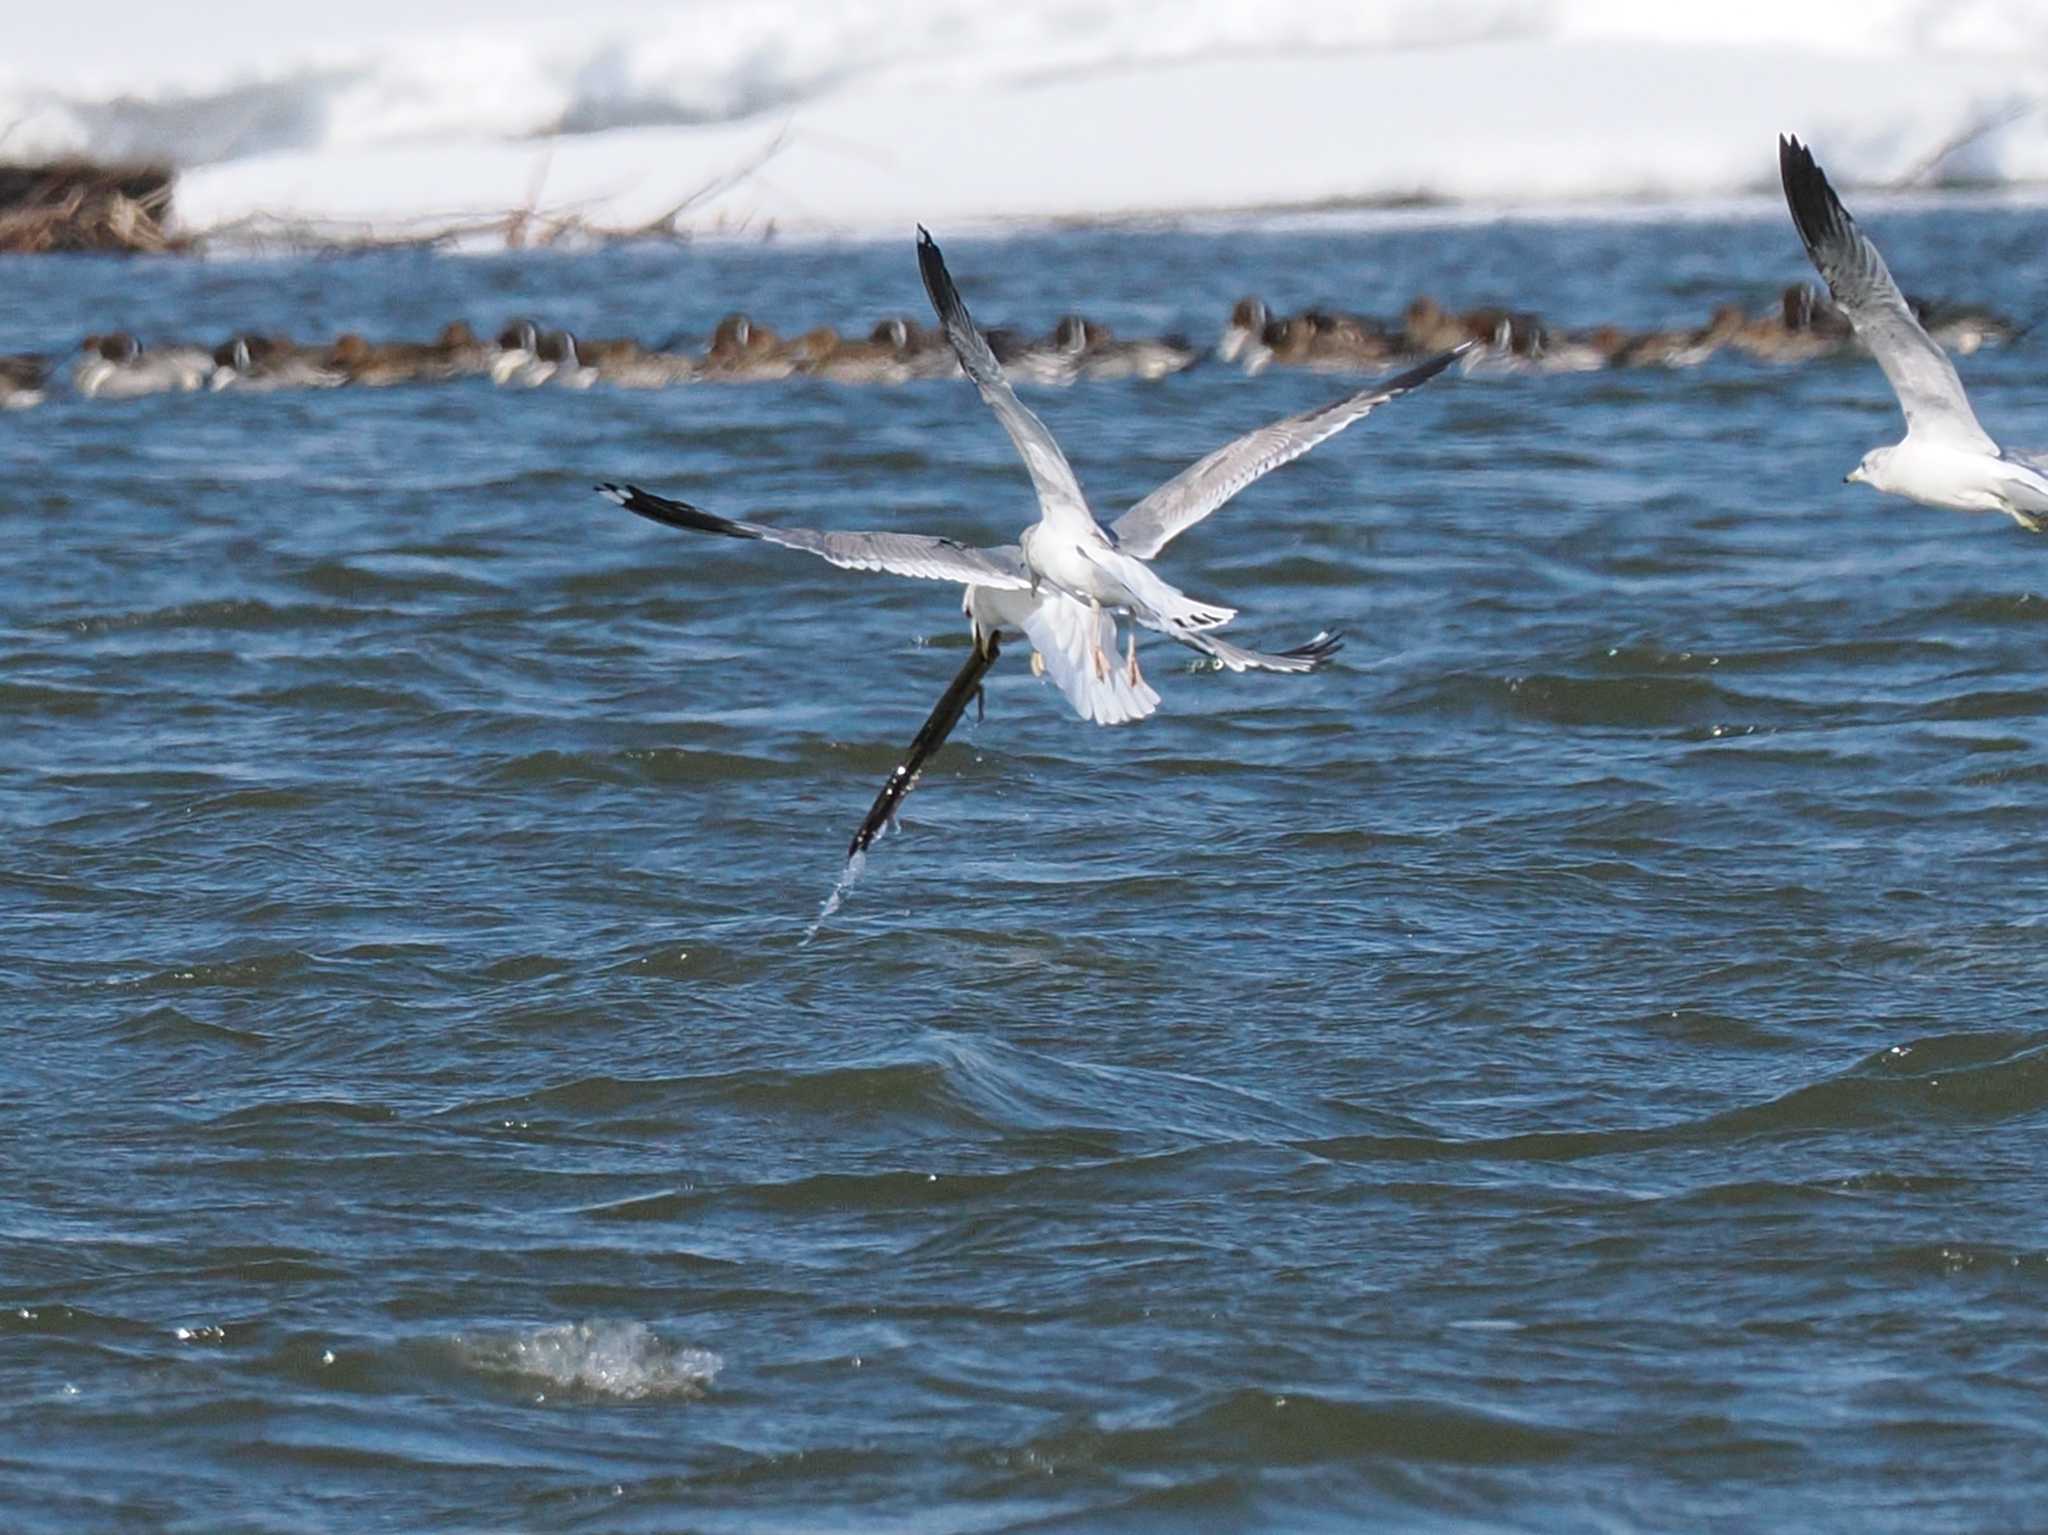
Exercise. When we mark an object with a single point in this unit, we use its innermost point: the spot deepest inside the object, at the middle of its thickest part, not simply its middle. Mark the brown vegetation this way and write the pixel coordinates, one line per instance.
(74, 205)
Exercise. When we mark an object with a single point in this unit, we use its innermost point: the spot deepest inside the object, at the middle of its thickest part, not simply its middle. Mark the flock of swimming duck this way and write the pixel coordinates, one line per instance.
(1068, 579)
(1803, 326)
(1066, 582)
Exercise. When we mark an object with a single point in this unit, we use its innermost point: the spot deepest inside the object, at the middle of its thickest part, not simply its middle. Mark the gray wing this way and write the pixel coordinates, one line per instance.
(1051, 475)
(1199, 490)
(1302, 658)
(2025, 485)
(1919, 371)
(901, 554)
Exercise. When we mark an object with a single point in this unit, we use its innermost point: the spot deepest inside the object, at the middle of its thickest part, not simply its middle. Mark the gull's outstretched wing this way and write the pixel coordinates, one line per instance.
(1199, 490)
(1302, 658)
(1919, 371)
(930, 737)
(1051, 475)
(901, 554)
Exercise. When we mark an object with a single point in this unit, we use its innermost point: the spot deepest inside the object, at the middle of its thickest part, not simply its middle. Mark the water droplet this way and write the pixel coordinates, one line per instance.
(840, 888)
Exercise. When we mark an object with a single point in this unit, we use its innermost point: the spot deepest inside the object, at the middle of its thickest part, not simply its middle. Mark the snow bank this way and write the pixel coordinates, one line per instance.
(873, 113)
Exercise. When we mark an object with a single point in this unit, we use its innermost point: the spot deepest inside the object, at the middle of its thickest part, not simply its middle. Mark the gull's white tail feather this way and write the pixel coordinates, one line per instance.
(1078, 645)
(1166, 606)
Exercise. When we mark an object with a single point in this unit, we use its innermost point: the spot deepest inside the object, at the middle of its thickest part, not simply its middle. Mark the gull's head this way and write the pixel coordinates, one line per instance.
(1871, 471)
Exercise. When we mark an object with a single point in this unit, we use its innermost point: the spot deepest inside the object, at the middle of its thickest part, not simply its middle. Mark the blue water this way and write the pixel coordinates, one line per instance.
(1577, 1062)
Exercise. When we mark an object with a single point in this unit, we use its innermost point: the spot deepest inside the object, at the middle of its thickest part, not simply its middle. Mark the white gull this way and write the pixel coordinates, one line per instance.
(1066, 612)
(1947, 458)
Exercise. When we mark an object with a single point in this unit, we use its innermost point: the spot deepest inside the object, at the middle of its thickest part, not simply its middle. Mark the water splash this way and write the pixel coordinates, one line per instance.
(840, 889)
(625, 1360)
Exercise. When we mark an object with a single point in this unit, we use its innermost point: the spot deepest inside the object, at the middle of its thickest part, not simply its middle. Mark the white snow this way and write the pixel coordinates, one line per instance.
(875, 113)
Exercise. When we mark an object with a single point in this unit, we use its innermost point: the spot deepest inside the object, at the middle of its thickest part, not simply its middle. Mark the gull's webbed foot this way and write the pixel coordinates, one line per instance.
(1095, 629)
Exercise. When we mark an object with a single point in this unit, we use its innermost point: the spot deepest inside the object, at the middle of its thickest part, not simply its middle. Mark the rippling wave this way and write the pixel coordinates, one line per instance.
(1574, 1062)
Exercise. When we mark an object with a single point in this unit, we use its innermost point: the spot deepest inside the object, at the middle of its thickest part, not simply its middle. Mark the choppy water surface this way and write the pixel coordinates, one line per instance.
(1577, 1062)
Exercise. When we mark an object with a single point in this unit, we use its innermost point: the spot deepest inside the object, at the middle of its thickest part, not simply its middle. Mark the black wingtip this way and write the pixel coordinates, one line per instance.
(1817, 213)
(938, 282)
(1318, 650)
(1796, 164)
(672, 514)
(1422, 373)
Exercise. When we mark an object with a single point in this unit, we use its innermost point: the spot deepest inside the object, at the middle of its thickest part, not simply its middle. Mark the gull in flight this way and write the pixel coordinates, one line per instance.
(1061, 584)
(1946, 459)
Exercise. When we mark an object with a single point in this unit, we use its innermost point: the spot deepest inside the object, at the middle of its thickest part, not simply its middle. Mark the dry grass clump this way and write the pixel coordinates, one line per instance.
(75, 205)
(79, 205)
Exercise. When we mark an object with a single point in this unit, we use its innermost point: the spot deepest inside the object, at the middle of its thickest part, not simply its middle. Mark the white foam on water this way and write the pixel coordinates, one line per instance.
(624, 1360)
(840, 888)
